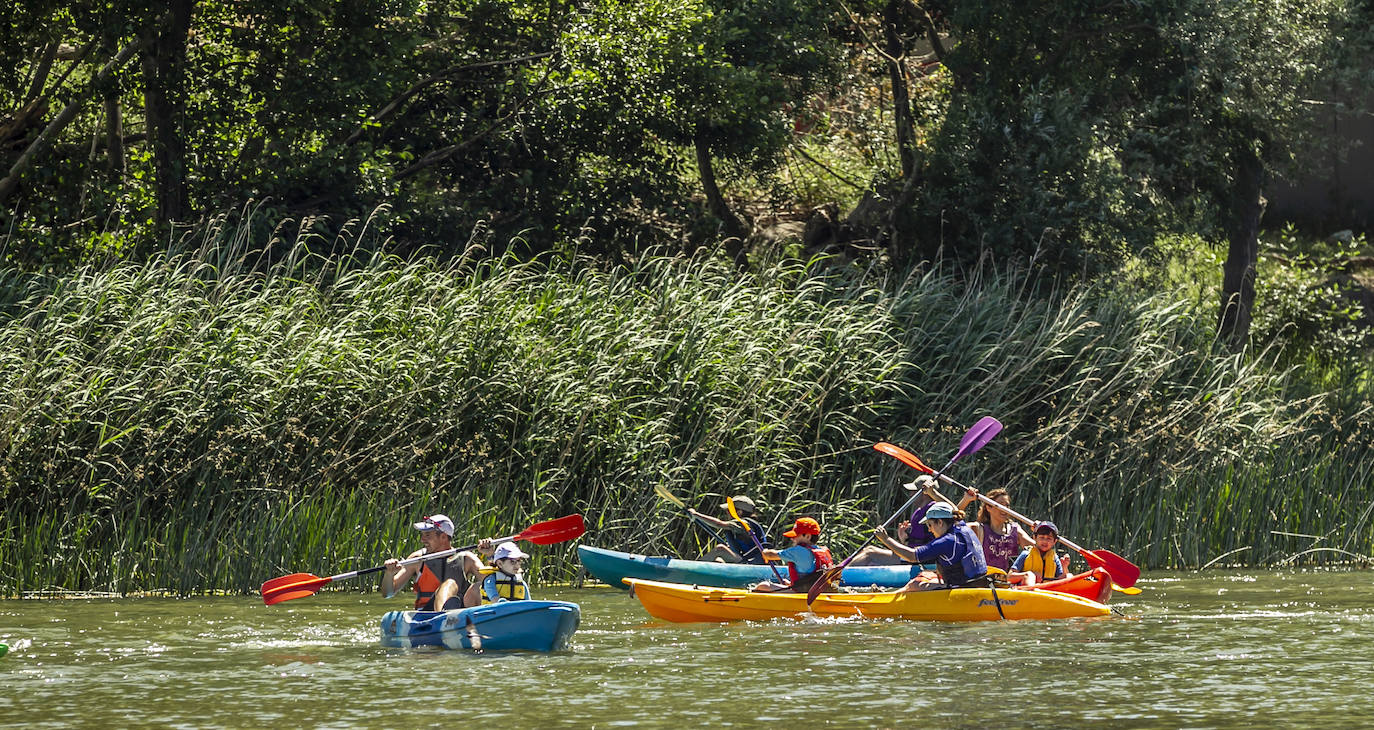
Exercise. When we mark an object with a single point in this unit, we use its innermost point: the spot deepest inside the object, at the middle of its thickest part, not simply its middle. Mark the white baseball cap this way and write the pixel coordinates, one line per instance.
(509, 550)
(436, 522)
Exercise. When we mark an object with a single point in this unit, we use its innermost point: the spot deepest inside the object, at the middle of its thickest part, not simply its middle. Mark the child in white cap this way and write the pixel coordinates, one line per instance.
(505, 579)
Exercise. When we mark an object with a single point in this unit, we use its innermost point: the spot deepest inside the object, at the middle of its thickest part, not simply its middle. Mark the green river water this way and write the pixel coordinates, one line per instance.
(1219, 649)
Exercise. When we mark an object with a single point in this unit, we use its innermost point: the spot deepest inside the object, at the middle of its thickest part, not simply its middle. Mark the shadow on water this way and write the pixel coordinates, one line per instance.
(1220, 649)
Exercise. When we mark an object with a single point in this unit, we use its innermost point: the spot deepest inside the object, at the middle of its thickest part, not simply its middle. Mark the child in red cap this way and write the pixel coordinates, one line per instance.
(805, 560)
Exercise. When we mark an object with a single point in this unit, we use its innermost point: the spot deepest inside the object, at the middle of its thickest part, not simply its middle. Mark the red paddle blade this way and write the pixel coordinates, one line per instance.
(1124, 572)
(904, 456)
(277, 584)
(554, 531)
(280, 589)
(822, 583)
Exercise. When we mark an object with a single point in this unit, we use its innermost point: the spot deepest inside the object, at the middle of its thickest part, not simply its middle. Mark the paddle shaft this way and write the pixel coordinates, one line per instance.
(420, 558)
(998, 505)
(901, 511)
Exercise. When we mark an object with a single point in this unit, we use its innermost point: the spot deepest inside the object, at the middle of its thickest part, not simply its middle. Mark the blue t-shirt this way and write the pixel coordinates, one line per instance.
(958, 553)
(801, 557)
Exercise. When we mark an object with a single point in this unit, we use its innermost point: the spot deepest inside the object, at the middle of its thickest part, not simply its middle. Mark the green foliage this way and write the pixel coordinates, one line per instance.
(199, 401)
(1077, 126)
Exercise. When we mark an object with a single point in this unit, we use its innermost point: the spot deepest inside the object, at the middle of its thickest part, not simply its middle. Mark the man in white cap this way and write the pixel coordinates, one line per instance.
(440, 583)
(738, 546)
(505, 580)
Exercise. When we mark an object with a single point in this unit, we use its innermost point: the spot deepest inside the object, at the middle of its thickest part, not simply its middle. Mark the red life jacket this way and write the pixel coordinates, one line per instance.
(822, 559)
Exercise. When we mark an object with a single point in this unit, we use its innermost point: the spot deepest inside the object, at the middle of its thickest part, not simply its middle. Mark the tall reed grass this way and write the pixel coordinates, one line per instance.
(196, 423)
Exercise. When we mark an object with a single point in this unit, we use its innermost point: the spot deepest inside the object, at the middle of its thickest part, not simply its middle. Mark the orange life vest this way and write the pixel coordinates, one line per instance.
(428, 582)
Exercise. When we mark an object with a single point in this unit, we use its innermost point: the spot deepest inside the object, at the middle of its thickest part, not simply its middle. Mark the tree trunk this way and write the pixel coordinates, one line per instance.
(114, 137)
(895, 50)
(41, 70)
(1242, 255)
(734, 227)
(164, 99)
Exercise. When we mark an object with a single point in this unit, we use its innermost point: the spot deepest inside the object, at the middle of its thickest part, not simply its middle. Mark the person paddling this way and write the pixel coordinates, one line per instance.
(738, 547)
(441, 583)
(806, 560)
(1040, 563)
(956, 551)
(505, 580)
(1002, 539)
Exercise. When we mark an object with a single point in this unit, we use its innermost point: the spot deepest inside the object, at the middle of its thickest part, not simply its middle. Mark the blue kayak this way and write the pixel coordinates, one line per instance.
(609, 566)
(505, 626)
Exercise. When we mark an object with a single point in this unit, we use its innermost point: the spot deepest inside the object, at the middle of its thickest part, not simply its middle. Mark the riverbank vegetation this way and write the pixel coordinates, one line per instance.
(190, 424)
(277, 279)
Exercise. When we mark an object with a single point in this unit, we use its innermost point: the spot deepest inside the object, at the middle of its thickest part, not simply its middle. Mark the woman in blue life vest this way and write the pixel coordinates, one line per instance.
(805, 560)
(956, 551)
(1040, 563)
(441, 583)
(505, 580)
(738, 546)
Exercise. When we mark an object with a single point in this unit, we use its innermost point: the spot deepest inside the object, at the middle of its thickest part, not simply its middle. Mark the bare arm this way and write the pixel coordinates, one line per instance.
(898, 549)
(396, 576)
(719, 524)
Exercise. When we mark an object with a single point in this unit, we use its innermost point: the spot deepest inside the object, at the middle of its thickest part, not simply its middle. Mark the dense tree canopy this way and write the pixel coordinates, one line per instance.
(1065, 131)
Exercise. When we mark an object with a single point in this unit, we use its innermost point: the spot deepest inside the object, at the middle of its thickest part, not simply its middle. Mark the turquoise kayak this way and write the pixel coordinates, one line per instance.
(505, 626)
(610, 566)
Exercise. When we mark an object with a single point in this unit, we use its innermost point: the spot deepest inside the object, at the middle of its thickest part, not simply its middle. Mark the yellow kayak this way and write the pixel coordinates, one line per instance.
(687, 604)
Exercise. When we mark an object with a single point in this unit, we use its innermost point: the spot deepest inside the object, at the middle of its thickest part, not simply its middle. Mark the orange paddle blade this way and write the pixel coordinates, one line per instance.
(284, 589)
(554, 531)
(904, 456)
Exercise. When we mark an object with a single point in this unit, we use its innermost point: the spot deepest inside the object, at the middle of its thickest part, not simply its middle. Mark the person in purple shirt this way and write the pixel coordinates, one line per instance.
(1002, 539)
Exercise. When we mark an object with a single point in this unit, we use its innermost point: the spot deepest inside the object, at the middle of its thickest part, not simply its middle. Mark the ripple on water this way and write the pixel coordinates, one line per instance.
(1185, 656)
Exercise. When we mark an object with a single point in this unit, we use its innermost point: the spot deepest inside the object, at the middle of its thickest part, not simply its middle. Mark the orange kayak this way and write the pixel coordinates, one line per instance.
(1094, 585)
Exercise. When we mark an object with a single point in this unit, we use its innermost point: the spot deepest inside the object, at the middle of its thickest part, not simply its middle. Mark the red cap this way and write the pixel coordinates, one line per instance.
(804, 526)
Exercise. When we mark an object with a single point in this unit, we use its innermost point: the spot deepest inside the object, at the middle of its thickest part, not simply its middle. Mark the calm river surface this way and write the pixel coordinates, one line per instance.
(1218, 649)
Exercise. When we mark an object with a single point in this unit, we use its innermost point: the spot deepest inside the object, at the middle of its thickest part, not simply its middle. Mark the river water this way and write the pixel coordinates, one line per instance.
(1219, 649)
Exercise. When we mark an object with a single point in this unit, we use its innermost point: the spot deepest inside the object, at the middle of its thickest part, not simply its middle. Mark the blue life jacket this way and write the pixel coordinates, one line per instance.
(745, 547)
(958, 556)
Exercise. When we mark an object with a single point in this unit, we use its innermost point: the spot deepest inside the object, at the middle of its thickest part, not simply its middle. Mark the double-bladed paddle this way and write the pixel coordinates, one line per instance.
(976, 438)
(300, 585)
(730, 505)
(1124, 573)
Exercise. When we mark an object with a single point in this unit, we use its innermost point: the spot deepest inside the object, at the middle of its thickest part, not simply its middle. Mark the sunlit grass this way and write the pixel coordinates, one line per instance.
(194, 424)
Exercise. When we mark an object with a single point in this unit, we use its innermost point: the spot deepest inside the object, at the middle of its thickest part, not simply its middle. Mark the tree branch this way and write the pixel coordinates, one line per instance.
(419, 86)
(11, 180)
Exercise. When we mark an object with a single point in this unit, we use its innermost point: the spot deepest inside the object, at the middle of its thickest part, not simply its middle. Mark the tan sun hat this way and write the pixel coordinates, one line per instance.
(741, 501)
